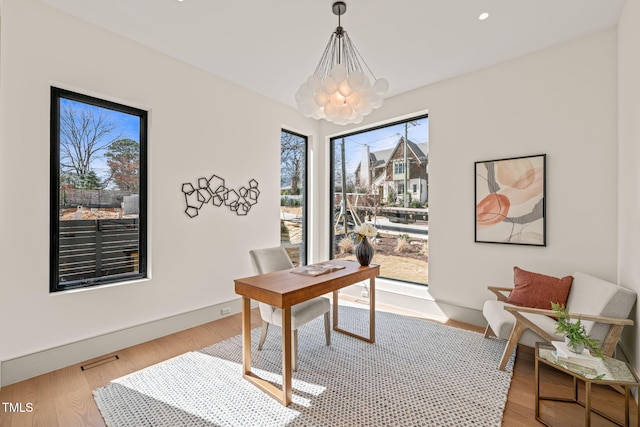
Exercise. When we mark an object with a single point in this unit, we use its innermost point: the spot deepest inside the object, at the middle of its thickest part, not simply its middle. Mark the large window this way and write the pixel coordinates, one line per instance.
(370, 171)
(98, 191)
(293, 195)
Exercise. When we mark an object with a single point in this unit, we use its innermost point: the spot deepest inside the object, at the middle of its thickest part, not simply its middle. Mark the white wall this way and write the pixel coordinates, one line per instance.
(560, 101)
(198, 127)
(629, 155)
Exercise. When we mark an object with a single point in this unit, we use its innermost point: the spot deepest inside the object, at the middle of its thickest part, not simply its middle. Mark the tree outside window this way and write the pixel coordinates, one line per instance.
(293, 195)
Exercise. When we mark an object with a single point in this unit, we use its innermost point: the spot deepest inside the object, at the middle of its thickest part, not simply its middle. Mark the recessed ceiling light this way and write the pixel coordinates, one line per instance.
(483, 16)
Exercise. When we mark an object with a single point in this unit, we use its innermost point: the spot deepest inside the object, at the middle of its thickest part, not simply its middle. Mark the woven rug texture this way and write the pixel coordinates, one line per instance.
(417, 373)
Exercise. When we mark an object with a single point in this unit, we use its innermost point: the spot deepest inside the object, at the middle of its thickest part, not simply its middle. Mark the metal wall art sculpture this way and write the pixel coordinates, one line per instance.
(510, 201)
(213, 190)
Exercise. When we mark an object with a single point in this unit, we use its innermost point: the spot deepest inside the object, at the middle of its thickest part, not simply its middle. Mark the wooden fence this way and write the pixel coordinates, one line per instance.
(73, 197)
(97, 248)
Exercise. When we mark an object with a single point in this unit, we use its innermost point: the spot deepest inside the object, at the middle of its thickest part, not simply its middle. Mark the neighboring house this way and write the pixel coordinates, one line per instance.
(384, 173)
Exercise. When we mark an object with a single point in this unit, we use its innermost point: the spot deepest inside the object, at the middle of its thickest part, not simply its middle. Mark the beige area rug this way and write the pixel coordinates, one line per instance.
(418, 373)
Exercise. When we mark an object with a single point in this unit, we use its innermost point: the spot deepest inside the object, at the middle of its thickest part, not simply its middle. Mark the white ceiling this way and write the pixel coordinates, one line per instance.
(272, 46)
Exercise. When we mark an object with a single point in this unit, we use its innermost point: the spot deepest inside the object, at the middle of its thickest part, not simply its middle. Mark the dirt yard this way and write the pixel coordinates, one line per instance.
(87, 213)
(411, 264)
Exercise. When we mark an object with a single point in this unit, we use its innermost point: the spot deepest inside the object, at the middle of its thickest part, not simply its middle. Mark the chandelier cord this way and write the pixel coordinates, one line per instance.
(339, 32)
(356, 54)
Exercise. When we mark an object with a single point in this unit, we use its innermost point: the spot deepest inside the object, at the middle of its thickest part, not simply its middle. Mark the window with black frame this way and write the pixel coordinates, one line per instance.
(98, 191)
(381, 176)
(293, 195)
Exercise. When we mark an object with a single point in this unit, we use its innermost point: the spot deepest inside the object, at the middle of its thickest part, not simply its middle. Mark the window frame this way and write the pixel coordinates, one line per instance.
(398, 167)
(332, 187)
(54, 203)
(305, 176)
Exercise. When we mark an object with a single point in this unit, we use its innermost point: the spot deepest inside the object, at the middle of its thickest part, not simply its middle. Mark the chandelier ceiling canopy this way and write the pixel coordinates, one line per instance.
(340, 90)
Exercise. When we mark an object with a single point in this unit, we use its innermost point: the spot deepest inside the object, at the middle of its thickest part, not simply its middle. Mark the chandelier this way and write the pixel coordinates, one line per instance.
(339, 90)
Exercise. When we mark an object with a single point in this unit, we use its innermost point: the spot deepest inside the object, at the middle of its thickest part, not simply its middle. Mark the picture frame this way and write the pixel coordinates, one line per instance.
(510, 203)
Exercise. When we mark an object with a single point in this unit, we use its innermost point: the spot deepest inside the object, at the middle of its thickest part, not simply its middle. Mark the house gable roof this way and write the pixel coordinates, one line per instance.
(380, 159)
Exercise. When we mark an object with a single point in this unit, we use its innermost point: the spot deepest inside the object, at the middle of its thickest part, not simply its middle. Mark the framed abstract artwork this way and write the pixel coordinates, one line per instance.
(510, 201)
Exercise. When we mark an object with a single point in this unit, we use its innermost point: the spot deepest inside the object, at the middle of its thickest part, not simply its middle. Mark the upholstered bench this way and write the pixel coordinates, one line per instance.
(603, 307)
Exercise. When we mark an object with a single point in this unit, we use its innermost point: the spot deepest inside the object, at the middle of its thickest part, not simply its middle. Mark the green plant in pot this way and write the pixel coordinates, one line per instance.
(575, 333)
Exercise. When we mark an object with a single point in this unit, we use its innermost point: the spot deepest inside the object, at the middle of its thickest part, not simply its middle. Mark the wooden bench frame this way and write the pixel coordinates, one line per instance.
(522, 324)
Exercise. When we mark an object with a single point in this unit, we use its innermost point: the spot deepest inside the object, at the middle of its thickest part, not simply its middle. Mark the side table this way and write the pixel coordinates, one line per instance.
(610, 372)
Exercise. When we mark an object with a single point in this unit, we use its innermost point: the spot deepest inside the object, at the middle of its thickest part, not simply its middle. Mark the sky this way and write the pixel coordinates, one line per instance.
(382, 139)
(126, 126)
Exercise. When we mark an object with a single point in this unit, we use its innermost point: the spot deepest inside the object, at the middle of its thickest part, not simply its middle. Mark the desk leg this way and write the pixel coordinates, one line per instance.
(246, 335)
(281, 395)
(335, 310)
(287, 387)
(372, 309)
(372, 314)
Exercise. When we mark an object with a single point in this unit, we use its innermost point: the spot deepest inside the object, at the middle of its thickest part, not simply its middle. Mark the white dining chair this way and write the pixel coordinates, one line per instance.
(275, 259)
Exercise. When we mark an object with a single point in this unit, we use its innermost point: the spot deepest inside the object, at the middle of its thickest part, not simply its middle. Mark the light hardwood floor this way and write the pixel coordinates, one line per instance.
(64, 397)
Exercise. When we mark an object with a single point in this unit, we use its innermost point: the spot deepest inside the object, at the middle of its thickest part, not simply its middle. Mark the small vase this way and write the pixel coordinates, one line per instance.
(364, 252)
(577, 348)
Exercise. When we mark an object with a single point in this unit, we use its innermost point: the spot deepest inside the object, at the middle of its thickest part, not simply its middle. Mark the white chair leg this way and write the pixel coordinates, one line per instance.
(294, 350)
(263, 336)
(327, 328)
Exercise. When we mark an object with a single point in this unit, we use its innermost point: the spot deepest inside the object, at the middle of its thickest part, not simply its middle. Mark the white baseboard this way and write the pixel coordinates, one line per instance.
(408, 296)
(417, 298)
(32, 365)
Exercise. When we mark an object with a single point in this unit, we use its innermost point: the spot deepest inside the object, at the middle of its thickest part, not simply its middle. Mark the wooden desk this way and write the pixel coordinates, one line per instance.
(284, 289)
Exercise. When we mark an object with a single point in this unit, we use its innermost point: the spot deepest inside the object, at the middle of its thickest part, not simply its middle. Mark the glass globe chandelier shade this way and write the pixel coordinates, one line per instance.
(339, 90)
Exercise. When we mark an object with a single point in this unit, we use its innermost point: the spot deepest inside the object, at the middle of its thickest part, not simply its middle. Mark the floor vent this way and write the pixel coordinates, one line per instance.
(99, 362)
